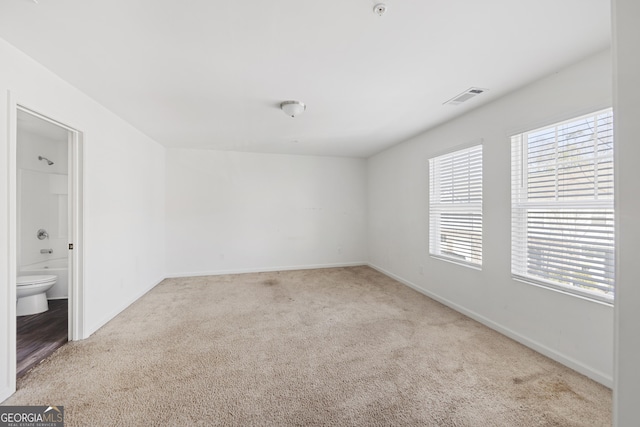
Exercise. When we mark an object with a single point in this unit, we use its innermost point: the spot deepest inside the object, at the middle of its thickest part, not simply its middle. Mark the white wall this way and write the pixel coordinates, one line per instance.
(626, 14)
(234, 212)
(576, 332)
(123, 197)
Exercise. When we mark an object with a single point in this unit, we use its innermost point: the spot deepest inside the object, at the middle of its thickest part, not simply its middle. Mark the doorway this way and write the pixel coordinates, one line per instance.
(46, 242)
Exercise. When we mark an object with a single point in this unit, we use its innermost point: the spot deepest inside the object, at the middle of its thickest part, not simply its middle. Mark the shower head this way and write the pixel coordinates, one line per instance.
(49, 162)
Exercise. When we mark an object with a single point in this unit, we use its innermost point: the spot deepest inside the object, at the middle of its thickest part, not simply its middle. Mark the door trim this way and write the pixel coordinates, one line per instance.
(76, 270)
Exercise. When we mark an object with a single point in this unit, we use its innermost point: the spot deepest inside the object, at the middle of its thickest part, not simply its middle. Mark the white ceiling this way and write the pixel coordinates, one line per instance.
(211, 74)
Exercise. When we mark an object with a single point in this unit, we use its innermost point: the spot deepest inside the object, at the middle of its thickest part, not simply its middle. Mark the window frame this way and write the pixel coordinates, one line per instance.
(521, 209)
(437, 208)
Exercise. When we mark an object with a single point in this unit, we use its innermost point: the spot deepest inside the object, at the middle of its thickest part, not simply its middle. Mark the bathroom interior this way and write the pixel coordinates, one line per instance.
(42, 285)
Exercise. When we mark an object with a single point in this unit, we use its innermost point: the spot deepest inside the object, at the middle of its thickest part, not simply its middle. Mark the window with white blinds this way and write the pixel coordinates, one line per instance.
(455, 206)
(562, 206)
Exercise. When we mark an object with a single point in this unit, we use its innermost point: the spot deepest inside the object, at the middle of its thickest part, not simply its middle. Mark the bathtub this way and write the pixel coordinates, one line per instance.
(59, 267)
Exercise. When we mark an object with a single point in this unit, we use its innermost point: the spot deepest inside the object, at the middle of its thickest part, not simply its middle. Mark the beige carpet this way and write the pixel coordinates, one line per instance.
(345, 346)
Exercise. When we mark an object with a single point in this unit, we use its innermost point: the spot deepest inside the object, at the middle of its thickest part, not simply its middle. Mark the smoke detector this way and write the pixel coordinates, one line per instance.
(380, 9)
(465, 96)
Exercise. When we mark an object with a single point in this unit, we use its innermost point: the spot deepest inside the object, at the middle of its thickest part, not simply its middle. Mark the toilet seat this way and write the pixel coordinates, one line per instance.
(35, 280)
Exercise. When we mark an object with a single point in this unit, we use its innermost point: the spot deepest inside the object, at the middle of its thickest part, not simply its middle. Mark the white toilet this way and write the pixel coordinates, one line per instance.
(32, 293)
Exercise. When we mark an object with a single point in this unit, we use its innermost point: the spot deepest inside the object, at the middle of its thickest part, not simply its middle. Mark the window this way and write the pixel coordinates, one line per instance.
(455, 206)
(562, 227)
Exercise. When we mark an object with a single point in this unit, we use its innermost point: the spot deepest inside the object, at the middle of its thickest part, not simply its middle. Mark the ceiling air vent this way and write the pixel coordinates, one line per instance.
(465, 96)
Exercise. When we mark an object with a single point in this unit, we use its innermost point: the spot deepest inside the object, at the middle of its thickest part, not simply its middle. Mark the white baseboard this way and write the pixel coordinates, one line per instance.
(595, 375)
(5, 393)
(264, 269)
(90, 330)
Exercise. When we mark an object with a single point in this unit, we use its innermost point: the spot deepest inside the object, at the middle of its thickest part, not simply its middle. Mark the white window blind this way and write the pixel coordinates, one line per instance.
(562, 206)
(455, 205)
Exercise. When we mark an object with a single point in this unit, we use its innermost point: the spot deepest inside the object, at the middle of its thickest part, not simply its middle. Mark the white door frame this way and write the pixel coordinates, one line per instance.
(76, 275)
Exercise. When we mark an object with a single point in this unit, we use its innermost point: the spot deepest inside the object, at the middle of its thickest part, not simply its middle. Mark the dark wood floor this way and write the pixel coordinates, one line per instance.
(39, 335)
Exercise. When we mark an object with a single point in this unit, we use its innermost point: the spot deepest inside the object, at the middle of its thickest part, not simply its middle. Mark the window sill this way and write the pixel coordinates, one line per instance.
(602, 300)
(457, 262)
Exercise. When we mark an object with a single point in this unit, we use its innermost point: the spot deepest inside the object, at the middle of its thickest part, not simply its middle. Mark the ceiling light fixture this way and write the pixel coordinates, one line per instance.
(293, 108)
